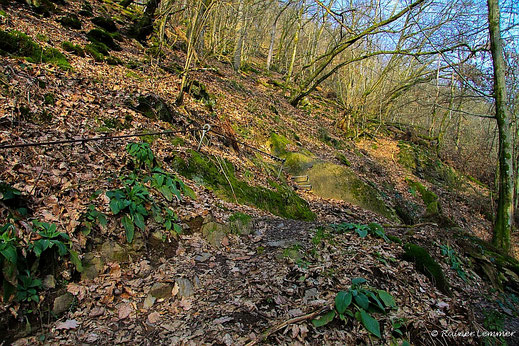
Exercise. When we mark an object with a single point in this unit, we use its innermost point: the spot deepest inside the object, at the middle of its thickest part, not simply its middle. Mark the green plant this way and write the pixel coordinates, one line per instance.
(362, 230)
(454, 261)
(359, 302)
(50, 237)
(131, 201)
(90, 218)
(27, 289)
(141, 154)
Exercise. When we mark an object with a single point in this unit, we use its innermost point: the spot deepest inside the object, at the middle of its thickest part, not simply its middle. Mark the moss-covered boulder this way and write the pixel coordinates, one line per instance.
(429, 198)
(339, 182)
(329, 180)
(101, 36)
(105, 23)
(71, 21)
(427, 265)
(18, 44)
(219, 175)
(153, 107)
(426, 165)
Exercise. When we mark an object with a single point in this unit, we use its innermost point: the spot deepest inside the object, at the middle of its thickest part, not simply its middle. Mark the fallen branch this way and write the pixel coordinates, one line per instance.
(387, 225)
(280, 326)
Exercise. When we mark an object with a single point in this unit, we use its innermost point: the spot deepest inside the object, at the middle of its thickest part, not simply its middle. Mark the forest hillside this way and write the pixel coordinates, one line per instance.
(193, 172)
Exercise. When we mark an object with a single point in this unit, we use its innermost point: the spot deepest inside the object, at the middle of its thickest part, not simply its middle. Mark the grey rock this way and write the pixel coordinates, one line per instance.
(49, 282)
(62, 303)
(204, 256)
(160, 290)
(214, 233)
(185, 287)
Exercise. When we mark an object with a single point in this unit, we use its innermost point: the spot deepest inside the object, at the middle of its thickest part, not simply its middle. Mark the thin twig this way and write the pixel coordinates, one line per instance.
(280, 326)
(387, 225)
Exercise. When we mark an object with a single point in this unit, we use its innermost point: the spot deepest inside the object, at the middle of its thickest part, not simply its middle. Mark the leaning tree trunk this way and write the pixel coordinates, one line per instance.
(504, 217)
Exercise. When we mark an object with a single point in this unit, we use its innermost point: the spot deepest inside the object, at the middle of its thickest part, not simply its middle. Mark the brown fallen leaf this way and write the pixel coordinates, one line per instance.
(154, 317)
(124, 311)
(68, 324)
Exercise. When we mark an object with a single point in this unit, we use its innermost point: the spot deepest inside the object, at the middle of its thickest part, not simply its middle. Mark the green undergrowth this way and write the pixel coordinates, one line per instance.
(219, 175)
(18, 44)
(427, 266)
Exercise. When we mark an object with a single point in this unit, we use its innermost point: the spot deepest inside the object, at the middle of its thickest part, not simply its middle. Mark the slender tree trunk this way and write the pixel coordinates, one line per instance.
(296, 42)
(240, 36)
(504, 217)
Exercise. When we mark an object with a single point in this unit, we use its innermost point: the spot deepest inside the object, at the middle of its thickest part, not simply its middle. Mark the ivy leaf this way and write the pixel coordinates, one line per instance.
(387, 298)
(324, 319)
(369, 323)
(129, 227)
(361, 232)
(342, 301)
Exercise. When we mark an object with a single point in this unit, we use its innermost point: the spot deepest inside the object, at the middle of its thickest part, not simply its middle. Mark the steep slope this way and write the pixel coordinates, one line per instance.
(242, 263)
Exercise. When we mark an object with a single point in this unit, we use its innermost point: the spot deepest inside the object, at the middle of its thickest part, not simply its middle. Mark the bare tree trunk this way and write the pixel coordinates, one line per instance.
(240, 37)
(273, 36)
(504, 217)
(296, 42)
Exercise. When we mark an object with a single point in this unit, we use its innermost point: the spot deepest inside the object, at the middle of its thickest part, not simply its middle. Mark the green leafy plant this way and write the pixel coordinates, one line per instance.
(454, 261)
(142, 155)
(359, 302)
(90, 218)
(362, 230)
(50, 237)
(8, 259)
(28, 287)
(130, 201)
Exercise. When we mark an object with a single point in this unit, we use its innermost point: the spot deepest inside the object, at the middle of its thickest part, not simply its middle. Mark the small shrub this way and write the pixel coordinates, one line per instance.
(362, 230)
(358, 302)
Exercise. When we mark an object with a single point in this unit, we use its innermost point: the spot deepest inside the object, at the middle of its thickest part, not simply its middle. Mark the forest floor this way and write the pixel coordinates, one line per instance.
(264, 285)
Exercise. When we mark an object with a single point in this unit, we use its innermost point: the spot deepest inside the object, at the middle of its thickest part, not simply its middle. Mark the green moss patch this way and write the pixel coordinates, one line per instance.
(71, 20)
(73, 48)
(430, 199)
(17, 44)
(426, 165)
(278, 144)
(427, 265)
(105, 23)
(280, 199)
(97, 36)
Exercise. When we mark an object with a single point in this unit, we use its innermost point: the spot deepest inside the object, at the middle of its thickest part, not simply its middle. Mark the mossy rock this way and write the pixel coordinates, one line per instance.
(429, 198)
(73, 48)
(297, 163)
(154, 107)
(427, 265)
(106, 23)
(18, 44)
(426, 165)
(101, 36)
(338, 182)
(278, 144)
(93, 51)
(86, 9)
(240, 223)
(279, 199)
(343, 159)
(71, 20)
